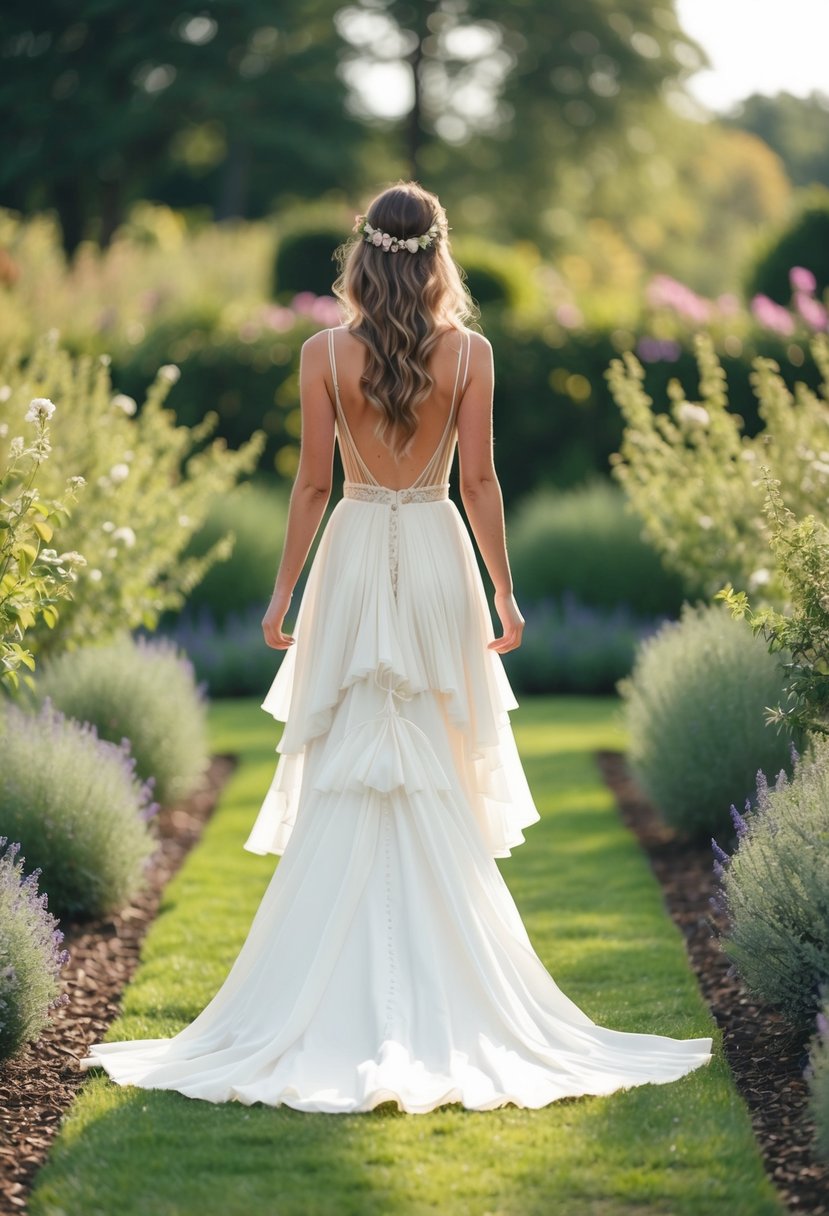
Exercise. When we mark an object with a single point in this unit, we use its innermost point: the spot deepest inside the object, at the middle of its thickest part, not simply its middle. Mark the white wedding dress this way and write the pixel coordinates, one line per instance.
(387, 959)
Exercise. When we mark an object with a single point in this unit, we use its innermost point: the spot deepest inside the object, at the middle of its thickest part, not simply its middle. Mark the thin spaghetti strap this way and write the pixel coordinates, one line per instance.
(333, 363)
(466, 368)
(438, 452)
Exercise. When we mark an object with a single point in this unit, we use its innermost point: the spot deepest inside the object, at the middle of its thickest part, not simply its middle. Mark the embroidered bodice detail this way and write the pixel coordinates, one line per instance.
(431, 485)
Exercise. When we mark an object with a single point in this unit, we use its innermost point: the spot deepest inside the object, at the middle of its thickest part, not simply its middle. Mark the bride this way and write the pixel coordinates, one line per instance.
(387, 960)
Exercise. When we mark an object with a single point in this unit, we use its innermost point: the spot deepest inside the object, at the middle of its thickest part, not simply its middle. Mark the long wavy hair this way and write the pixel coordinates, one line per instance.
(398, 304)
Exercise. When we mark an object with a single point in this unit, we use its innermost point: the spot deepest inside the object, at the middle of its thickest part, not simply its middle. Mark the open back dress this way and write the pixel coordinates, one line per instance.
(387, 960)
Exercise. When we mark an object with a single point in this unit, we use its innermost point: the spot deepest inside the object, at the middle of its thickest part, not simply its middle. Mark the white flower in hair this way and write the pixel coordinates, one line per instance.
(391, 244)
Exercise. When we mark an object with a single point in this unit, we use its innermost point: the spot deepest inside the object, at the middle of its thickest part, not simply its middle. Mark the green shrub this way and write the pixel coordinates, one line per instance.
(818, 1077)
(805, 242)
(572, 647)
(143, 691)
(32, 579)
(305, 261)
(257, 515)
(149, 483)
(694, 705)
(73, 802)
(582, 540)
(30, 955)
(774, 887)
(691, 474)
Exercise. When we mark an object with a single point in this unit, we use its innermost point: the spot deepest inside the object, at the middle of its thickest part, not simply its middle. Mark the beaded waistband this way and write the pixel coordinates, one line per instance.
(369, 493)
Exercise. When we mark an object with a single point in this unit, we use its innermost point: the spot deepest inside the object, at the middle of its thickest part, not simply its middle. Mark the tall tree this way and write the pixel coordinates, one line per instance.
(796, 128)
(98, 97)
(501, 94)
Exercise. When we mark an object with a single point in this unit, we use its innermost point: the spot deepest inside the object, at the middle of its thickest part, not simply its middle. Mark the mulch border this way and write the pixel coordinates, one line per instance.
(766, 1058)
(39, 1083)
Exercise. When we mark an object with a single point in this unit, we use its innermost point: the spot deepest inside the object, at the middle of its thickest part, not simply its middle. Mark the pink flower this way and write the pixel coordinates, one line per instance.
(385, 240)
(772, 316)
(802, 279)
(812, 311)
(303, 302)
(377, 238)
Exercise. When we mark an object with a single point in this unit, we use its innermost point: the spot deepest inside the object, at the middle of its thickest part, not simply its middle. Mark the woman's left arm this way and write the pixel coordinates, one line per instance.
(311, 490)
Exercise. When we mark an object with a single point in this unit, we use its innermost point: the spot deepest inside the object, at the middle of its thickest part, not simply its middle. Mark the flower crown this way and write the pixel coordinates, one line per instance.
(391, 244)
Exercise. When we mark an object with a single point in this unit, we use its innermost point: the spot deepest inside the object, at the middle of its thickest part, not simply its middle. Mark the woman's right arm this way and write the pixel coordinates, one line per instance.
(481, 490)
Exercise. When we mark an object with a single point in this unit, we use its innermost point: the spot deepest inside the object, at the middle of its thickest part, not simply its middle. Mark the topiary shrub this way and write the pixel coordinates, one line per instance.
(774, 887)
(694, 708)
(818, 1078)
(30, 955)
(805, 242)
(583, 540)
(257, 515)
(73, 801)
(144, 690)
(305, 261)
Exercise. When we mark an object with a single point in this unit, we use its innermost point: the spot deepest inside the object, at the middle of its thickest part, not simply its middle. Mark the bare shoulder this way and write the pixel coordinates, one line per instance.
(480, 355)
(315, 348)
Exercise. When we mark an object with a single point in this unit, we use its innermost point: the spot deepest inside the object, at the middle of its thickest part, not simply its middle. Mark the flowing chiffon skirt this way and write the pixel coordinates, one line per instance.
(387, 959)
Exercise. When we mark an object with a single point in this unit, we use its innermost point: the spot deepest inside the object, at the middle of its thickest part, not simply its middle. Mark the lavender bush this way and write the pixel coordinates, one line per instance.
(74, 803)
(231, 659)
(817, 1075)
(142, 690)
(30, 955)
(694, 709)
(569, 647)
(774, 886)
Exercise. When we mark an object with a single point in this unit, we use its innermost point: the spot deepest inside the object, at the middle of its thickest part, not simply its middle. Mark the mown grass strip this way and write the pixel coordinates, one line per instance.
(595, 915)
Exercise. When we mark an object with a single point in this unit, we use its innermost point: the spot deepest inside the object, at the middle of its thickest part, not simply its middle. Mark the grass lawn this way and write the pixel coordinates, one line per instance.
(595, 915)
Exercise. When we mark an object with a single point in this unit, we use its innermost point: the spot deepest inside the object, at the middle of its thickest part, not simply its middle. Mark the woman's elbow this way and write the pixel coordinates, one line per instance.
(473, 485)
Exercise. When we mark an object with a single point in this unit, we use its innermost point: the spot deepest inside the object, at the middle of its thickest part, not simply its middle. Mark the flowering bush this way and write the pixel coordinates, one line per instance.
(149, 485)
(774, 886)
(142, 691)
(75, 805)
(32, 580)
(693, 707)
(229, 655)
(818, 1077)
(694, 480)
(802, 629)
(30, 955)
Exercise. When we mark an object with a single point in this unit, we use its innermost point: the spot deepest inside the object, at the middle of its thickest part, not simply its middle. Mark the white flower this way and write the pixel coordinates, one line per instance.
(122, 402)
(107, 525)
(16, 447)
(73, 558)
(759, 578)
(169, 372)
(5, 392)
(184, 521)
(688, 412)
(95, 575)
(40, 408)
(112, 551)
(412, 244)
(119, 472)
(820, 466)
(705, 521)
(50, 557)
(77, 481)
(748, 454)
(126, 535)
(4, 429)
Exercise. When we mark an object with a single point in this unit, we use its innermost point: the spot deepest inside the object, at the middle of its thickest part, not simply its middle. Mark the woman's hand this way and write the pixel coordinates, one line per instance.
(272, 621)
(512, 623)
